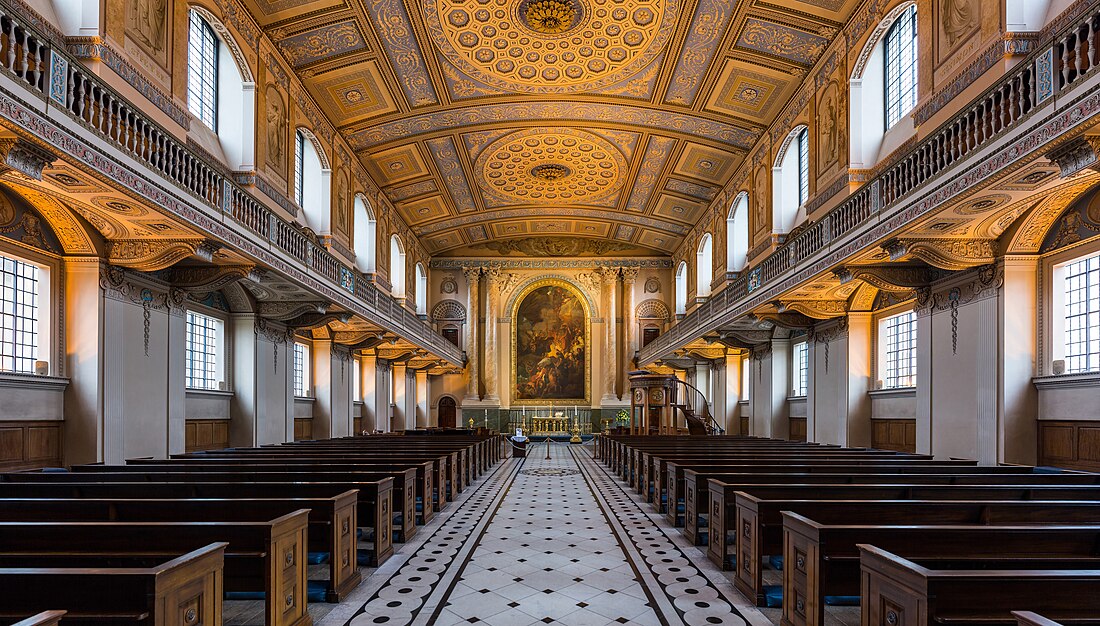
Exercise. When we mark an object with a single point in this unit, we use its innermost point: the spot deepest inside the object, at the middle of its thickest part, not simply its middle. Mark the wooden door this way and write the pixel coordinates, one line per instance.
(447, 411)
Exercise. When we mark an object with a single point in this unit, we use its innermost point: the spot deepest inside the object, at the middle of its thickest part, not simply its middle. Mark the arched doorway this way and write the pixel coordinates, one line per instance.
(448, 410)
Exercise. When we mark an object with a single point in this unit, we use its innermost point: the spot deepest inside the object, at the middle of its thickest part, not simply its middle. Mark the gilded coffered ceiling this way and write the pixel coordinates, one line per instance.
(487, 120)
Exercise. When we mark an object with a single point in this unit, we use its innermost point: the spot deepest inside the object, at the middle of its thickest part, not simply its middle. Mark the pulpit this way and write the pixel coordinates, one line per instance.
(652, 400)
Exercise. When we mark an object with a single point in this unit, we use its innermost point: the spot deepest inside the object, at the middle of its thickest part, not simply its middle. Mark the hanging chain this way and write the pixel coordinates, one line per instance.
(146, 300)
(954, 297)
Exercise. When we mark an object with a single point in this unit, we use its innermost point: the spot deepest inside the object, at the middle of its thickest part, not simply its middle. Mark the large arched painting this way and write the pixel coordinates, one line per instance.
(551, 345)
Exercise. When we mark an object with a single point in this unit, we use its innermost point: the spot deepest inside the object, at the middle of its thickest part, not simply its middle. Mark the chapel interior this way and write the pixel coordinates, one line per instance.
(587, 312)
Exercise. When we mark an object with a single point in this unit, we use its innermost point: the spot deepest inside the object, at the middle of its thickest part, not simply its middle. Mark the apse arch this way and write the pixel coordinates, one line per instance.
(515, 304)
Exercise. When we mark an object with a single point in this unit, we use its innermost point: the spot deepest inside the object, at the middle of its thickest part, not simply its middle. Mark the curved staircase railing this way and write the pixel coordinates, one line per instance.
(696, 410)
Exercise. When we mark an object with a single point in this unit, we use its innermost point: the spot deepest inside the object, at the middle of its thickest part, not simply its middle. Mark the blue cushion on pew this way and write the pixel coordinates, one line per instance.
(773, 596)
(679, 508)
(398, 519)
(316, 590)
(54, 470)
(701, 521)
(359, 534)
(316, 558)
(1046, 469)
(731, 539)
(419, 507)
(731, 561)
(664, 498)
(842, 600)
(776, 562)
(702, 538)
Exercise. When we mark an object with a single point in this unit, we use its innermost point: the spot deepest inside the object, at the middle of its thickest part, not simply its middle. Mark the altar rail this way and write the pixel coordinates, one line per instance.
(1058, 64)
(39, 62)
(542, 421)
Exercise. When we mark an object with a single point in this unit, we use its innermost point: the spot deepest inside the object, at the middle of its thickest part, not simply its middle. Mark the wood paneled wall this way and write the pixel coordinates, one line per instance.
(797, 429)
(30, 445)
(206, 435)
(303, 428)
(1070, 444)
(894, 434)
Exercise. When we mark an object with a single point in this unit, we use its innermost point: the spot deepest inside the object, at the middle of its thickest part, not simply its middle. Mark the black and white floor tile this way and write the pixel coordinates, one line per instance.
(545, 541)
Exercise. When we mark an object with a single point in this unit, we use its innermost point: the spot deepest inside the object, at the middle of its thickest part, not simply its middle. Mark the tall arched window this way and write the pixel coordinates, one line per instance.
(704, 266)
(737, 234)
(883, 89)
(221, 92)
(202, 71)
(365, 236)
(421, 290)
(791, 181)
(311, 182)
(681, 288)
(397, 267)
(900, 79)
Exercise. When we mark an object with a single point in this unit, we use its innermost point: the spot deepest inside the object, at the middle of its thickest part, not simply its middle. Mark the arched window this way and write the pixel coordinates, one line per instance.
(397, 267)
(900, 79)
(202, 71)
(791, 181)
(704, 266)
(883, 89)
(681, 288)
(737, 234)
(311, 182)
(365, 236)
(221, 92)
(421, 290)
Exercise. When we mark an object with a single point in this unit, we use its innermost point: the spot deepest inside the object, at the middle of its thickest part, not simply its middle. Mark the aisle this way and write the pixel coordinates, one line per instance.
(547, 541)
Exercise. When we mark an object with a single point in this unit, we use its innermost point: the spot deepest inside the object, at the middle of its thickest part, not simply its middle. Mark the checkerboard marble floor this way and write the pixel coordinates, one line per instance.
(548, 541)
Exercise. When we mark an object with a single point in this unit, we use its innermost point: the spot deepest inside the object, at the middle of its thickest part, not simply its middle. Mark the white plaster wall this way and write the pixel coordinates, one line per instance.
(954, 383)
(32, 403)
(207, 405)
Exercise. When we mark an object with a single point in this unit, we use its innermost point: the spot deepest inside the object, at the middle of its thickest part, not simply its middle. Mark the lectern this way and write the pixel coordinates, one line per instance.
(652, 400)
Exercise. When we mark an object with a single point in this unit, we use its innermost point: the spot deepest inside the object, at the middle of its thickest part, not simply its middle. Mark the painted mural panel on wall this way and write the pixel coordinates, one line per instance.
(550, 345)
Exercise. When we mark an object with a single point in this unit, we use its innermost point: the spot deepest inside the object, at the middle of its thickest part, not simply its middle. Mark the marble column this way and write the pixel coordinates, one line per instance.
(731, 408)
(493, 278)
(473, 275)
(368, 381)
(630, 324)
(610, 278)
(400, 390)
(382, 395)
(423, 410)
(411, 393)
(702, 380)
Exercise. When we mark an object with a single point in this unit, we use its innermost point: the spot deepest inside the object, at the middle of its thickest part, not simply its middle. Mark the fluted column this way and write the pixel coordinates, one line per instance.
(382, 395)
(473, 275)
(610, 278)
(493, 278)
(630, 325)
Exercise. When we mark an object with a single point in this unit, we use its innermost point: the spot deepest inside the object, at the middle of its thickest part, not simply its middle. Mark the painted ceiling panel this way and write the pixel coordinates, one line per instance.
(612, 120)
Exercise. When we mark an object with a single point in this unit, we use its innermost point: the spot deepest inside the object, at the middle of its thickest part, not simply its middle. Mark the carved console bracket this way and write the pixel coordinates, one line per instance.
(199, 280)
(25, 157)
(1076, 155)
(945, 254)
(309, 321)
(894, 278)
(790, 320)
(149, 255)
(816, 309)
(287, 310)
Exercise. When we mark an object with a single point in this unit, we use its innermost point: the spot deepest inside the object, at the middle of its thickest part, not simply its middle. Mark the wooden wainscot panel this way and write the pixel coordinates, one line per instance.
(798, 429)
(894, 434)
(1070, 444)
(206, 435)
(30, 445)
(303, 428)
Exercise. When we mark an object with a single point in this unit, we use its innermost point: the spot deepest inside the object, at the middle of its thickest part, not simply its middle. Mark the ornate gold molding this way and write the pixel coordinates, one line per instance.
(1076, 155)
(816, 309)
(314, 320)
(25, 157)
(946, 254)
(789, 319)
(149, 255)
(283, 310)
(895, 278)
(207, 279)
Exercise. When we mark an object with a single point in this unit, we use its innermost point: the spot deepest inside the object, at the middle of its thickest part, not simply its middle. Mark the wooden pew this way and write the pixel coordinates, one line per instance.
(332, 518)
(45, 618)
(183, 590)
(267, 557)
(403, 493)
(759, 524)
(822, 560)
(697, 493)
(900, 592)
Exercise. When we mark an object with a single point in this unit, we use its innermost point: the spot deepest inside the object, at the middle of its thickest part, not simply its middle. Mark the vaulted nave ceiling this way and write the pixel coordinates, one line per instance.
(491, 120)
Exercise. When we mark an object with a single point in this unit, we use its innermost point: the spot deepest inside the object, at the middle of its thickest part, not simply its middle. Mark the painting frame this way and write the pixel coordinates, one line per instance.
(517, 302)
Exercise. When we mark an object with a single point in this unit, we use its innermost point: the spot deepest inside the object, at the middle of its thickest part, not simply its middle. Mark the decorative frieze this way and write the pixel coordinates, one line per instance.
(946, 254)
(816, 309)
(24, 157)
(150, 255)
(1076, 155)
(284, 310)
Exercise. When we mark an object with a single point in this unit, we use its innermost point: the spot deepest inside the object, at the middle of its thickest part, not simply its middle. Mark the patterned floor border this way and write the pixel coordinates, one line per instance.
(688, 589)
(410, 592)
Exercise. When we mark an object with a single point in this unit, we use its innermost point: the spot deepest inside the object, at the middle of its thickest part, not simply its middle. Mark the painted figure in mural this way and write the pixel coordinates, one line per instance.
(550, 345)
(147, 21)
(828, 126)
(958, 19)
(276, 128)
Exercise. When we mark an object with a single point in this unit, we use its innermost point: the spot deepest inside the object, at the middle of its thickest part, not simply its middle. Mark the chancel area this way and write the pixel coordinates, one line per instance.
(521, 312)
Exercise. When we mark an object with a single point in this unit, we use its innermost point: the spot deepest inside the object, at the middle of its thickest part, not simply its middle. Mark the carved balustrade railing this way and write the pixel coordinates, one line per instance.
(1058, 64)
(30, 56)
